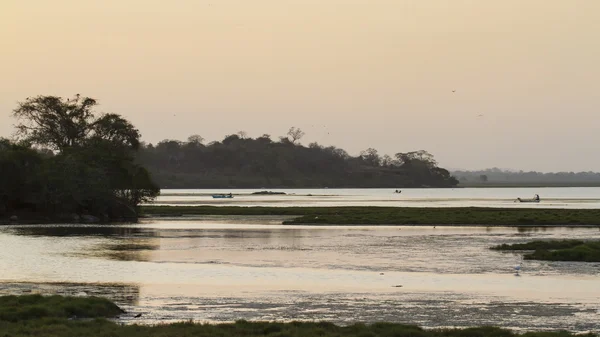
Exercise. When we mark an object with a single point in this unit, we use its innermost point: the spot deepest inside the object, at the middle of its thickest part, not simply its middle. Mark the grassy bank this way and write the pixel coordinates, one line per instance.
(399, 215)
(20, 308)
(54, 323)
(564, 250)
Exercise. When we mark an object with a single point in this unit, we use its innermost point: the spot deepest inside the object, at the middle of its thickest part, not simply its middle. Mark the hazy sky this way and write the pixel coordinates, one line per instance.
(350, 73)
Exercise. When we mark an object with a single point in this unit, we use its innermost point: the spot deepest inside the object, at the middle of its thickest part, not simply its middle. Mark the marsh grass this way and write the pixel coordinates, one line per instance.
(399, 215)
(35, 315)
(63, 328)
(27, 307)
(560, 250)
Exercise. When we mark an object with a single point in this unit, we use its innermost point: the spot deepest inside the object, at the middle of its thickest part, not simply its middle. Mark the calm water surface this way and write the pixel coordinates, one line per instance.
(228, 268)
(576, 197)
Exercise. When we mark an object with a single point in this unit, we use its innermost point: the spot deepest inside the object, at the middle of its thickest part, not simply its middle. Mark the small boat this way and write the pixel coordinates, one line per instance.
(536, 198)
(222, 196)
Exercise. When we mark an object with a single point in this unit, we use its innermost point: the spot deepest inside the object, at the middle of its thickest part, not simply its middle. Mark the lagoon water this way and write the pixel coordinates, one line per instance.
(224, 268)
(559, 197)
(219, 269)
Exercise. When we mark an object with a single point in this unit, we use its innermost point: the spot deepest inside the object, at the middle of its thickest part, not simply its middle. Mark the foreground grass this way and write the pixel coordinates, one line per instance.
(564, 250)
(19, 308)
(399, 215)
(58, 328)
(47, 316)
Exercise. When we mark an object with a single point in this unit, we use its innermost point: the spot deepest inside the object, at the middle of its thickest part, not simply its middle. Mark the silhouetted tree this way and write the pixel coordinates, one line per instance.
(195, 139)
(92, 169)
(416, 157)
(371, 157)
(295, 134)
(58, 123)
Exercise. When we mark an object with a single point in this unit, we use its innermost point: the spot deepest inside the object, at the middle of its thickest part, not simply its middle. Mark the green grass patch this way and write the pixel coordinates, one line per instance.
(563, 250)
(63, 328)
(28, 307)
(399, 215)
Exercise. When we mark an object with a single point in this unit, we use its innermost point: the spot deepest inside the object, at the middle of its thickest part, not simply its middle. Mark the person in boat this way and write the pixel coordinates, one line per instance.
(536, 198)
(230, 195)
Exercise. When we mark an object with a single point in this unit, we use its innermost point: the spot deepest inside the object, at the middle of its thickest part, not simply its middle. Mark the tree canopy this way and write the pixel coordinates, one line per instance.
(91, 168)
(60, 124)
(245, 162)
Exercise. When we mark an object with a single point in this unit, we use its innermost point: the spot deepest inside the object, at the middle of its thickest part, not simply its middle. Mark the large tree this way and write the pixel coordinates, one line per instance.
(59, 124)
(295, 134)
(94, 166)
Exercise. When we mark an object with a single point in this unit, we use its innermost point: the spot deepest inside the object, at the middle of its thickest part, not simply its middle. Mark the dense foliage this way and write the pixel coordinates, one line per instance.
(49, 317)
(238, 161)
(68, 162)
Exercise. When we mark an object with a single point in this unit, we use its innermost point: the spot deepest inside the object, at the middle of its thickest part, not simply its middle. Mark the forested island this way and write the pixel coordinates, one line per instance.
(242, 162)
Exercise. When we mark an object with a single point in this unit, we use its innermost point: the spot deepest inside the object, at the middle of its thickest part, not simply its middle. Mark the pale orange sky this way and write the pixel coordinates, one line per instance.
(355, 74)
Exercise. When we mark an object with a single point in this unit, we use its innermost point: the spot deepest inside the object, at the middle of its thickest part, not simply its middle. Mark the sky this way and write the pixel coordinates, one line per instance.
(479, 84)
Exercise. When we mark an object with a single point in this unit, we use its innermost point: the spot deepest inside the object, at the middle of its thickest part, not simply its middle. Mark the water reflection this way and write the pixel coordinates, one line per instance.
(578, 197)
(78, 230)
(526, 229)
(218, 270)
(125, 249)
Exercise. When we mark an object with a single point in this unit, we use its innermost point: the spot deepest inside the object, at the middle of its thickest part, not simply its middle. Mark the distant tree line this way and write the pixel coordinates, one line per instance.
(68, 162)
(497, 176)
(242, 162)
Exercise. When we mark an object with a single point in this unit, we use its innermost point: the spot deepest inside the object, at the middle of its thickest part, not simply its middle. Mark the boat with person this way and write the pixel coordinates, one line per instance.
(536, 198)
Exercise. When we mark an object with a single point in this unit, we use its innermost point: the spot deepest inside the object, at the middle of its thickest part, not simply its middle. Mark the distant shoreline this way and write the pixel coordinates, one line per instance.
(532, 185)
